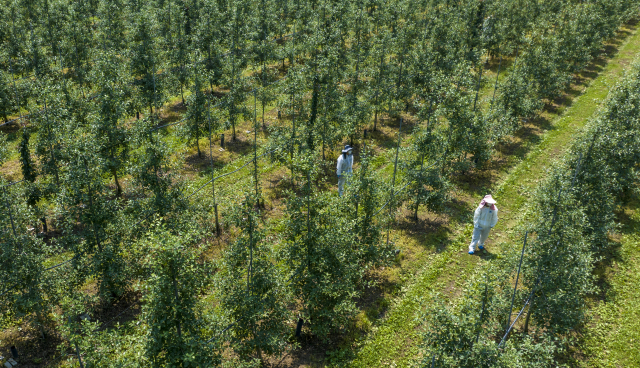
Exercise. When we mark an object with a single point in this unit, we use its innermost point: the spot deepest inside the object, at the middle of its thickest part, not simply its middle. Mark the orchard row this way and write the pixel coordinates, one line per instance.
(86, 82)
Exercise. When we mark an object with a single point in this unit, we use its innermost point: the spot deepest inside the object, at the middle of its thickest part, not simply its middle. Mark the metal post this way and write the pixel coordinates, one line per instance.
(255, 142)
(250, 270)
(215, 208)
(13, 226)
(393, 182)
(484, 300)
(475, 101)
(308, 221)
(495, 86)
(78, 353)
(175, 292)
(90, 195)
(575, 174)
(513, 298)
(15, 89)
(213, 183)
(299, 327)
(222, 140)
(553, 221)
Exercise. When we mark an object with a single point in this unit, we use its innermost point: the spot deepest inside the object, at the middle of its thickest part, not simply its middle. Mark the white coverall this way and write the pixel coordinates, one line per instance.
(344, 168)
(483, 220)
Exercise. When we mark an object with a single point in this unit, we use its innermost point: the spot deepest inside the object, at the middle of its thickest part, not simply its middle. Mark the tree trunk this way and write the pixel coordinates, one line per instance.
(115, 178)
(175, 291)
(233, 127)
(375, 121)
(526, 322)
(55, 165)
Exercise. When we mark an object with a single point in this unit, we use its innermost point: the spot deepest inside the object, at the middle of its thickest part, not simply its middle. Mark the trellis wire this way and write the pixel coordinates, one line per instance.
(393, 182)
(220, 334)
(160, 74)
(150, 214)
(255, 161)
(531, 295)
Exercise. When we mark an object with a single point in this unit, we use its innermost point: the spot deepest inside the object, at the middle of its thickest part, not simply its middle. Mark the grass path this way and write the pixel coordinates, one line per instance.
(393, 340)
(613, 336)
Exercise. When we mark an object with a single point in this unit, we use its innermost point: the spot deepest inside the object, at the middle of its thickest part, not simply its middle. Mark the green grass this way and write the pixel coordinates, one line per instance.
(613, 337)
(393, 341)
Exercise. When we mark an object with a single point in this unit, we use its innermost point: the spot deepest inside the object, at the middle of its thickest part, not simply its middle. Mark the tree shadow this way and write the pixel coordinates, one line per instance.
(202, 165)
(33, 350)
(241, 146)
(12, 131)
(610, 258)
(121, 310)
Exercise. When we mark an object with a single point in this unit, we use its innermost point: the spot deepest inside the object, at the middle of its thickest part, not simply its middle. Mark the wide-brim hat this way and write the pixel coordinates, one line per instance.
(347, 148)
(489, 199)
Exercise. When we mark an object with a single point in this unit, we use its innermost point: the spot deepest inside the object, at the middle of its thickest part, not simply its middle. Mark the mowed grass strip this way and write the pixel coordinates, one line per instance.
(394, 340)
(613, 336)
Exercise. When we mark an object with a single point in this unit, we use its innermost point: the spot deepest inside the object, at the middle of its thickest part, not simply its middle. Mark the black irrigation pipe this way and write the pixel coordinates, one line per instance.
(119, 314)
(219, 104)
(530, 299)
(153, 212)
(10, 184)
(515, 320)
(61, 264)
(220, 334)
(213, 180)
(46, 269)
(160, 74)
(250, 161)
(8, 290)
(20, 118)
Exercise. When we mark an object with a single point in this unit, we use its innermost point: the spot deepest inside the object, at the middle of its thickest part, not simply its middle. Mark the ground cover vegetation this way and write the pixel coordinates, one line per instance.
(568, 224)
(100, 213)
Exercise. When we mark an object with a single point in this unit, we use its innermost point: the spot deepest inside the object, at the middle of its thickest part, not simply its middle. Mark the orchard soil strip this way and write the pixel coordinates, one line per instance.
(394, 341)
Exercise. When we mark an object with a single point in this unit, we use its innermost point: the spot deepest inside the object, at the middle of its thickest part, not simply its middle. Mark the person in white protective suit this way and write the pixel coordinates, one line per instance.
(484, 219)
(345, 167)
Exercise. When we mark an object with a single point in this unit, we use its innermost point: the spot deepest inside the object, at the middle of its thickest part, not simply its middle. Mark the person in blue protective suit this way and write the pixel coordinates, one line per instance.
(345, 167)
(484, 219)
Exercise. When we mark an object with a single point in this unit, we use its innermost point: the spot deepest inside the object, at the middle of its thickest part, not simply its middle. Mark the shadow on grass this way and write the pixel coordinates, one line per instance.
(12, 131)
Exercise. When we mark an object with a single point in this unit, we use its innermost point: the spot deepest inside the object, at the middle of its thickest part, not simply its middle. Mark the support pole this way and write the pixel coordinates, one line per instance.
(255, 144)
(484, 301)
(213, 182)
(495, 86)
(393, 182)
(78, 354)
(13, 226)
(513, 298)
